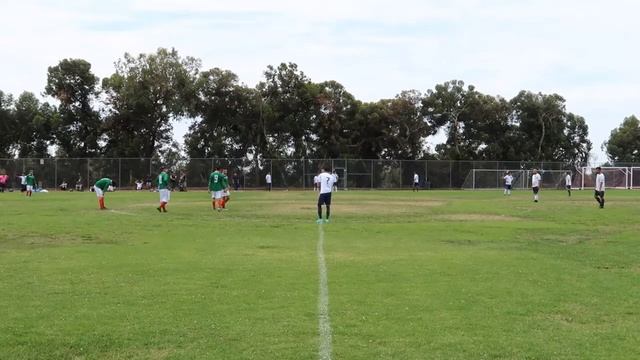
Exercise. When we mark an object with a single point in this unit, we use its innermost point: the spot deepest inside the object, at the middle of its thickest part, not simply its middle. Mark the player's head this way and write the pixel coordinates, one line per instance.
(323, 168)
(598, 170)
(508, 172)
(30, 172)
(535, 171)
(568, 172)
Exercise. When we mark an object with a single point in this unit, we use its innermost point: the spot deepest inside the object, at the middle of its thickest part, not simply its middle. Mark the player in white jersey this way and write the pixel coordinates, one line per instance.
(316, 183)
(416, 182)
(600, 187)
(327, 181)
(508, 183)
(568, 182)
(536, 182)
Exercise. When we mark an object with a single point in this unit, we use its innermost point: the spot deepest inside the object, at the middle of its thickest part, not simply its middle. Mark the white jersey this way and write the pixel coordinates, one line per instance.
(416, 179)
(23, 180)
(600, 182)
(268, 178)
(326, 182)
(536, 179)
(567, 180)
(508, 180)
(316, 179)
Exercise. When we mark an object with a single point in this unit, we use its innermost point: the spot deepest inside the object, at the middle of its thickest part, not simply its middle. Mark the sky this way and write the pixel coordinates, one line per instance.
(587, 51)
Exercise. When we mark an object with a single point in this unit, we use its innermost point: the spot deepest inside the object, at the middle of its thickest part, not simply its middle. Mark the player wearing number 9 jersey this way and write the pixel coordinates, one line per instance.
(327, 181)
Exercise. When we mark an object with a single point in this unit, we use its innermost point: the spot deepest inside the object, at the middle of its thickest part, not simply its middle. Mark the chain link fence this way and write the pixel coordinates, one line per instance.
(286, 174)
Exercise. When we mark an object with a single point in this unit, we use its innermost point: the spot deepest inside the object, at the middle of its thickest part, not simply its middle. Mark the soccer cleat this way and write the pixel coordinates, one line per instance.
(326, 221)
(535, 200)
(319, 221)
(164, 210)
(159, 209)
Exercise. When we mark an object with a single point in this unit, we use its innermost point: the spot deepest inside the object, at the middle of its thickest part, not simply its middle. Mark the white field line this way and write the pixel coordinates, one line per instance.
(122, 212)
(323, 301)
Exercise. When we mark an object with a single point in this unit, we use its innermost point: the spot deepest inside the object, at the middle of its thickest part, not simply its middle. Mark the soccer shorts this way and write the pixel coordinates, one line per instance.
(165, 195)
(599, 194)
(29, 187)
(415, 184)
(217, 195)
(99, 192)
(508, 187)
(324, 199)
(536, 190)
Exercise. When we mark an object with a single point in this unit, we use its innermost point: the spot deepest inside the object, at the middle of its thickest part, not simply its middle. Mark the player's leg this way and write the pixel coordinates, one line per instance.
(596, 195)
(509, 190)
(327, 202)
(321, 201)
(536, 192)
(213, 200)
(159, 208)
(569, 190)
(602, 199)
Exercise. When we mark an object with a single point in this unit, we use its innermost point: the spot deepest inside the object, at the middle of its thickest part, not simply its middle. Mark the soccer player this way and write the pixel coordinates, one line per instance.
(316, 184)
(327, 181)
(536, 182)
(163, 189)
(218, 183)
(31, 183)
(100, 188)
(508, 183)
(568, 182)
(600, 187)
(336, 177)
(416, 182)
(226, 194)
(268, 180)
(23, 182)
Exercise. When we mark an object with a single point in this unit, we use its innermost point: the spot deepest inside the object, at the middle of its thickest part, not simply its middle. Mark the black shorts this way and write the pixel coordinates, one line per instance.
(536, 190)
(508, 187)
(568, 187)
(415, 184)
(23, 188)
(599, 194)
(324, 199)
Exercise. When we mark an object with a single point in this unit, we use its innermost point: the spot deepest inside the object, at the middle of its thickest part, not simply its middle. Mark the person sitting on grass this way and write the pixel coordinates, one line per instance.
(64, 186)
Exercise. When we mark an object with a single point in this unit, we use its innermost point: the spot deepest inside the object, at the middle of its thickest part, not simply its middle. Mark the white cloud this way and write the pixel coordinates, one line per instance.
(583, 50)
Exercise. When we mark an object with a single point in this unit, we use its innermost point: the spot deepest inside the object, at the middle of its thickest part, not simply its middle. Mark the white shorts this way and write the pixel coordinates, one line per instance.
(29, 187)
(98, 191)
(165, 195)
(217, 195)
(226, 193)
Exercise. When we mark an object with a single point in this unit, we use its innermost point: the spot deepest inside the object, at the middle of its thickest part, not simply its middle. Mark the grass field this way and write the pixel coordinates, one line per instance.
(434, 275)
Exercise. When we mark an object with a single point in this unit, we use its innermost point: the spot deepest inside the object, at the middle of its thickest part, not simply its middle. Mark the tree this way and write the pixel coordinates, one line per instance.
(540, 118)
(143, 96)
(444, 106)
(35, 123)
(332, 124)
(577, 146)
(406, 126)
(227, 113)
(8, 125)
(287, 110)
(73, 84)
(624, 142)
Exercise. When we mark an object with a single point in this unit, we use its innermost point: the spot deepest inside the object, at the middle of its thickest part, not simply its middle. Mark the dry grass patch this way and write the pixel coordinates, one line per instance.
(476, 217)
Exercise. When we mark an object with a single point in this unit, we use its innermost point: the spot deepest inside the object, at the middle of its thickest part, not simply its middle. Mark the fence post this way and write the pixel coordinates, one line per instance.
(55, 173)
(401, 174)
(120, 172)
(450, 174)
(426, 171)
(88, 173)
(304, 174)
(372, 165)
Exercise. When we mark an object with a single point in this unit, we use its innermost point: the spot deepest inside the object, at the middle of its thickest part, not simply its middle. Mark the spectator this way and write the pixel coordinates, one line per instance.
(148, 184)
(63, 185)
(4, 178)
(268, 180)
(139, 185)
(236, 181)
(79, 183)
(182, 182)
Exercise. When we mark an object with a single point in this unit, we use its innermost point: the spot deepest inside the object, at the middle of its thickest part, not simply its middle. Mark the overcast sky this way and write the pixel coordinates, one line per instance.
(585, 50)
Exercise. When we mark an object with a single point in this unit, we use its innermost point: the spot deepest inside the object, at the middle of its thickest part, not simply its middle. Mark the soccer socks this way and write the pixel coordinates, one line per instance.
(320, 212)
(536, 198)
(328, 211)
(101, 203)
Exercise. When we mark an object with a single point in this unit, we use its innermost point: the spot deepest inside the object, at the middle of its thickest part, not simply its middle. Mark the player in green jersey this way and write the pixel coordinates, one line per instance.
(31, 183)
(163, 189)
(100, 188)
(218, 184)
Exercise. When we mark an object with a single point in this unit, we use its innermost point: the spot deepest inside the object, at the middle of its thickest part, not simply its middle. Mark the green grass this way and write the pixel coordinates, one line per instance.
(434, 275)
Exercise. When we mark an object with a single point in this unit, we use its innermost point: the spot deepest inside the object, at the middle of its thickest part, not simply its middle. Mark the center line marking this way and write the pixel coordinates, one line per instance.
(323, 301)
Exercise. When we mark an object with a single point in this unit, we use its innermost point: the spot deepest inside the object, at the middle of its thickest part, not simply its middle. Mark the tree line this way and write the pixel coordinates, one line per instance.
(286, 115)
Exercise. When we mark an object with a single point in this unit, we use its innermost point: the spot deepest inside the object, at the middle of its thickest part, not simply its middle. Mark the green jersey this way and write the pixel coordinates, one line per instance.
(31, 180)
(163, 181)
(103, 184)
(218, 181)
